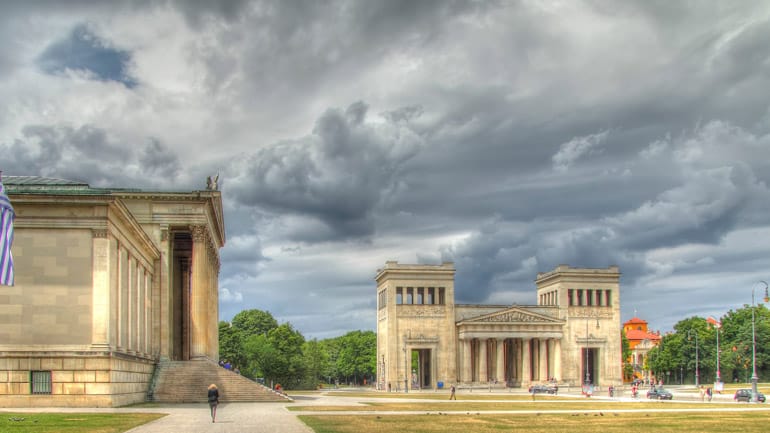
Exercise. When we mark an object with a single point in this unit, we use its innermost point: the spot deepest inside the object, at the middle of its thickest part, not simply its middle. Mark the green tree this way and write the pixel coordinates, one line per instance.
(230, 347)
(316, 363)
(277, 356)
(357, 358)
(628, 367)
(233, 337)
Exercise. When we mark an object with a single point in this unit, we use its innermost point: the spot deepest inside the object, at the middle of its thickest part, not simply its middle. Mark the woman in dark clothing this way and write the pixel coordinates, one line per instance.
(213, 401)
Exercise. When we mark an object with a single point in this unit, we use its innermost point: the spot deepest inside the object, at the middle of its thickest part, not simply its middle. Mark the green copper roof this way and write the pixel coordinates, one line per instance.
(49, 185)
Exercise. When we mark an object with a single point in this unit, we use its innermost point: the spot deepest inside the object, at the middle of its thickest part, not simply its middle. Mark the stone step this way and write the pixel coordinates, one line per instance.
(188, 381)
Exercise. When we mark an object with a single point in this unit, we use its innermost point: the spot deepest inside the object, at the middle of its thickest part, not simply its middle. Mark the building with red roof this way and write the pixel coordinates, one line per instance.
(640, 341)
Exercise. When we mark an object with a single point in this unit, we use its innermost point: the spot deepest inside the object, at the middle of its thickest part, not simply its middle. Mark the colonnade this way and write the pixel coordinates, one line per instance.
(517, 361)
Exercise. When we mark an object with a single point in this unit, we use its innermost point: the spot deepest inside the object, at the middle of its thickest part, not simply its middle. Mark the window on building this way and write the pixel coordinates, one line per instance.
(580, 297)
(608, 298)
(383, 299)
(40, 382)
(420, 295)
(441, 296)
(570, 297)
(430, 297)
(410, 295)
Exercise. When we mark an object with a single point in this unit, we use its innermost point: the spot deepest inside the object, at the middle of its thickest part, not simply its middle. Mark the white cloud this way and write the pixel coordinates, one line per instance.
(577, 148)
(230, 297)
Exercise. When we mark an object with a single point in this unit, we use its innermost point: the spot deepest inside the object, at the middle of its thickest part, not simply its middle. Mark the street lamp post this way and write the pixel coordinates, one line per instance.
(754, 378)
(719, 376)
(697, 371)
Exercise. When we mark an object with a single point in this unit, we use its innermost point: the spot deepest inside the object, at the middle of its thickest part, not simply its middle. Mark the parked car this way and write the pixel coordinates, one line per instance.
(659, 394)
(544, 389)
(745, 395)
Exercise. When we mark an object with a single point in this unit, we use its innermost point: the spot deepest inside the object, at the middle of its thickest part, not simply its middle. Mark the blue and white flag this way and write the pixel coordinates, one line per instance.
(6, 238)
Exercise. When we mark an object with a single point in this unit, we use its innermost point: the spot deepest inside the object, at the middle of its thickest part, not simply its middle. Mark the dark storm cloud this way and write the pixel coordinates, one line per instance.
(82, 50)
(510, 137)
(339, 174)
(89, 154)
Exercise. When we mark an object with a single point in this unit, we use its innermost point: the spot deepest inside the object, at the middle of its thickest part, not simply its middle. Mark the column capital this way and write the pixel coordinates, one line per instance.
(198, 233)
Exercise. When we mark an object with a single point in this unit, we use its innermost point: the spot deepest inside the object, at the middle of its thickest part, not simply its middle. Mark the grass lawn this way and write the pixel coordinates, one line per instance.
(73, 422)
(554, 405)
(546, 423)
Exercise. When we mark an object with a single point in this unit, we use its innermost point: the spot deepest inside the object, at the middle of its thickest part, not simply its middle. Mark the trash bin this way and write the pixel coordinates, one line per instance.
(440, 385)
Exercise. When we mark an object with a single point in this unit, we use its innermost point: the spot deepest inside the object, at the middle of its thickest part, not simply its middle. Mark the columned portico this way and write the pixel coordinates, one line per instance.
(499, 345)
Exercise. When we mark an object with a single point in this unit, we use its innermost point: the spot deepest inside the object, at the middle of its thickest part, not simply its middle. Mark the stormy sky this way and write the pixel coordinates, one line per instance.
(506, 136)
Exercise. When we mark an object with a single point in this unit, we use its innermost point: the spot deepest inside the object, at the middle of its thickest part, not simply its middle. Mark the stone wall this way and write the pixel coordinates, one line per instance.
(76, 381)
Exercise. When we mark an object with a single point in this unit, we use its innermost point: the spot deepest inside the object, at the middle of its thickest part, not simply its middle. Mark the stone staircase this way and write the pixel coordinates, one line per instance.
(188, 381)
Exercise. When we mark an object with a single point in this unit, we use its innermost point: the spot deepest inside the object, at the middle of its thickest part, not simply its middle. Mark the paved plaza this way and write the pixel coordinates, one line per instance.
(275, 417)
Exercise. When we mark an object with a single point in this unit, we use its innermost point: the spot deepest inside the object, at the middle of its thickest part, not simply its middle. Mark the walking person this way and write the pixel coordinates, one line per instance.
(452, 393)
(213, 401)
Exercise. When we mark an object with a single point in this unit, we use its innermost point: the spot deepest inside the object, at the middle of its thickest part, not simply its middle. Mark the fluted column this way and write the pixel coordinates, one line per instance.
(557, 359)
(483, 360)
(526, 375)
(500, 375)
(467, 361)
(198, 304)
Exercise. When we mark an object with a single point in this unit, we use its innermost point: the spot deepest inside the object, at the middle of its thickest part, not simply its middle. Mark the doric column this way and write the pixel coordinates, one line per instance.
(500, 375)
(467, 361)
(483, 360)
(198, 304)
(526, 364)
(557, 359)
(103, 263)
(543, 364)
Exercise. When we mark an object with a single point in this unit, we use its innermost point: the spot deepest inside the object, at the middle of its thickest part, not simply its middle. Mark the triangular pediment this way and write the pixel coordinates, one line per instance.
(514, 315)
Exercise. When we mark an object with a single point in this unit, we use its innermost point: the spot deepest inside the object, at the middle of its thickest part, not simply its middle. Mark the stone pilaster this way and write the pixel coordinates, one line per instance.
(101, 276)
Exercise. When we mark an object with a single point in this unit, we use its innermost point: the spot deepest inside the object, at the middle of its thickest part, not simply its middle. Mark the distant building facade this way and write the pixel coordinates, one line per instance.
(640, 341)
(425, 340)
(108, 282)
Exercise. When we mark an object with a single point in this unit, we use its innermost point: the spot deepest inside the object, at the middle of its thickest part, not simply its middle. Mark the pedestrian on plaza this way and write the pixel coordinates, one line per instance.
(702, 393)
(709, 393)
(452, 393)
(213, 398)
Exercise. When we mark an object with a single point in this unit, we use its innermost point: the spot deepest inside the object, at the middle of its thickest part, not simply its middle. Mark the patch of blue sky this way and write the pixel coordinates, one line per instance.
(83, 51)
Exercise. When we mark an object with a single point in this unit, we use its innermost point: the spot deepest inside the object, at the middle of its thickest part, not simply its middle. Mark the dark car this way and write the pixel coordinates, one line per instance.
(543, 389)
(659, 394)
(745, 395)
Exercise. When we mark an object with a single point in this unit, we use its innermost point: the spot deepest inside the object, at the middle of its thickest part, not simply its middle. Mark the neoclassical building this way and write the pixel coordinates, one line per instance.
(109, 282)
(425, 340)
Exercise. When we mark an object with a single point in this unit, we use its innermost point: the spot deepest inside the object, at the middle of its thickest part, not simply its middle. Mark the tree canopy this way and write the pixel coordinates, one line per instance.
(676, 355)
(261, 348)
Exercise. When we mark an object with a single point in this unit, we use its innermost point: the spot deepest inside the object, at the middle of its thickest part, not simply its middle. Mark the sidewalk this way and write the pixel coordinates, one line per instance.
(195, 418)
